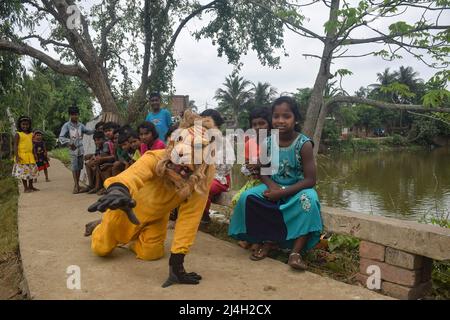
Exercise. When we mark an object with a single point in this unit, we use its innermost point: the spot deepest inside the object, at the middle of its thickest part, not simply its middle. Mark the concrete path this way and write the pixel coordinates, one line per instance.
(51, 227)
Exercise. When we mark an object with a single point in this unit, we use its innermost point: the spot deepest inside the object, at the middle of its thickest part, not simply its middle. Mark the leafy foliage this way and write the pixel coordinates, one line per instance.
(338, 241)
(45, 96)
(238, 26)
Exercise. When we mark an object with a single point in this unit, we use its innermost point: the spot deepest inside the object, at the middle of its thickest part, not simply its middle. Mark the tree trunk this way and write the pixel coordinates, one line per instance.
(137, 103)
(316, 103)
(319, 127)
(316, 100)
(235, 119)
(99, 85)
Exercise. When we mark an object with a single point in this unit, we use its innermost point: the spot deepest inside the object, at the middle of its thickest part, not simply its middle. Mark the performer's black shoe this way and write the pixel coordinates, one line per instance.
(177, 274)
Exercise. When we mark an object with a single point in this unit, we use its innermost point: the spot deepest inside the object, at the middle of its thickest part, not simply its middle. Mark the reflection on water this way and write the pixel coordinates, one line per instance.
(401, 184)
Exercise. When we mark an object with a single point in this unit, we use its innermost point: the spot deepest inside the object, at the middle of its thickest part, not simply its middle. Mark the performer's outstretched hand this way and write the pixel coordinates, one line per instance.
(117, 197)
(177, 274)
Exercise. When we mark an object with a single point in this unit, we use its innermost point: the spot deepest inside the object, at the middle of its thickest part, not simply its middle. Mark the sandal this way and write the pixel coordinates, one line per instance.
(295, 261)
(261, 252)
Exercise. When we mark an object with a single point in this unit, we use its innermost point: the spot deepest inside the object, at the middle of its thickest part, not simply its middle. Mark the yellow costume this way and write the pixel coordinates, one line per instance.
(155, 199)
(160, 181)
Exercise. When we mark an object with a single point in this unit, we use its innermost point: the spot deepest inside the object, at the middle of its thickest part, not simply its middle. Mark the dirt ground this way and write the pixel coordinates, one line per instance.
(52, 243)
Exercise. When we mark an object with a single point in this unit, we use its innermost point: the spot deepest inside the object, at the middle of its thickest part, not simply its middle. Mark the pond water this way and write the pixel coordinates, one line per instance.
(411, 185)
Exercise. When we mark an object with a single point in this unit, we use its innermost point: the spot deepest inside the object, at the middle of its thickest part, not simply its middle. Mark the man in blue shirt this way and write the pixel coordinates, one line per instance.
(161, 118)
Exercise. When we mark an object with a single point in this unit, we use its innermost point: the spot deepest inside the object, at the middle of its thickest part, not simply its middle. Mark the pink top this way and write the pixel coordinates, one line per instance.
(251, 150)
(157, 145)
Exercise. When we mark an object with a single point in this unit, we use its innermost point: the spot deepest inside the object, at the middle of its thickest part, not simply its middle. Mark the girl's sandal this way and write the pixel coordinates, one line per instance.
(261, 252)
(295, 261)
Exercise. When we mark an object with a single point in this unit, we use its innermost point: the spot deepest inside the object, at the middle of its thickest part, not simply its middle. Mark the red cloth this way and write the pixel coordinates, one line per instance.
(157, 145)
(111, 147)
(251, 150)
(216, 189)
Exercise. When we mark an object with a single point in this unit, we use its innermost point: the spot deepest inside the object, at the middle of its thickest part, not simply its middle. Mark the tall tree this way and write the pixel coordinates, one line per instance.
(263, 94)
(94, 44)
(347, 20)
(234, 96)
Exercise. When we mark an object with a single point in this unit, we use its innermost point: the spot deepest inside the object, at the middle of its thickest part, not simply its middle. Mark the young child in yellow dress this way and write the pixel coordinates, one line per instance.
(24, 161)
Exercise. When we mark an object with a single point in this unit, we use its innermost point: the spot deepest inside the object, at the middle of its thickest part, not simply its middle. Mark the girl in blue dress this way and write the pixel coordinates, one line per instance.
(284, 211)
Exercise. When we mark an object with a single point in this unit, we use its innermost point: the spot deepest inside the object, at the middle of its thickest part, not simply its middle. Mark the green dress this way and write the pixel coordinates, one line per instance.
(256, 219)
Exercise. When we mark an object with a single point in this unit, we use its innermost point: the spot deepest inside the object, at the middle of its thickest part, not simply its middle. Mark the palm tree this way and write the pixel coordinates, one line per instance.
(385, 79)
(409, 77)
(233, 97)
(263, 94)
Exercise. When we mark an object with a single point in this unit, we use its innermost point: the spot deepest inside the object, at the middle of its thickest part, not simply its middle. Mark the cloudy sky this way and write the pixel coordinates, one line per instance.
(200, 72)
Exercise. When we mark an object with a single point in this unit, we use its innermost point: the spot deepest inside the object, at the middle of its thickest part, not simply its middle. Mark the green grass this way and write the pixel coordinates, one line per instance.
(61, 154)
(8, 209)
(440, 277)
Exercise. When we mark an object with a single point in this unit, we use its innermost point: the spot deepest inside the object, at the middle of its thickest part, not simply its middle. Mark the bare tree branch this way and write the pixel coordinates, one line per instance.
(430, 117)
(392, 36)
(286, 21)
(107, 29)
(353, 56)
(411, 4)
(311, 55)
(45, 42)
(24, 49)
(403, 43)
(298, 32)
(304, 5)
(382, 104)
(193, 14)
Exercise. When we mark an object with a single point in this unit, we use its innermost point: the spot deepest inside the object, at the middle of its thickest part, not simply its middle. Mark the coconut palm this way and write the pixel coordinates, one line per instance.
(407, 76)
(234, 96)
(263, 94)
(385, 79)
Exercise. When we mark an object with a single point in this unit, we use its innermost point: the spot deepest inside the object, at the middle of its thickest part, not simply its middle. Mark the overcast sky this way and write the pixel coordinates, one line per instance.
(200, 72)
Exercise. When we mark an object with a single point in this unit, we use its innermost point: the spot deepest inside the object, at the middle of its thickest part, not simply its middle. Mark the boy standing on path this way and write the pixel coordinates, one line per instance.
(161, 118)
(72, 135)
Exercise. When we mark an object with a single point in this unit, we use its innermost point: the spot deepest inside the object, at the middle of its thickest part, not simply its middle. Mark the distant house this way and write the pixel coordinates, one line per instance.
(179, 104)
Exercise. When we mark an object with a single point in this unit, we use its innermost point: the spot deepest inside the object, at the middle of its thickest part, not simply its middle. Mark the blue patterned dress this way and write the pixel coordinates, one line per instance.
(256, 219)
